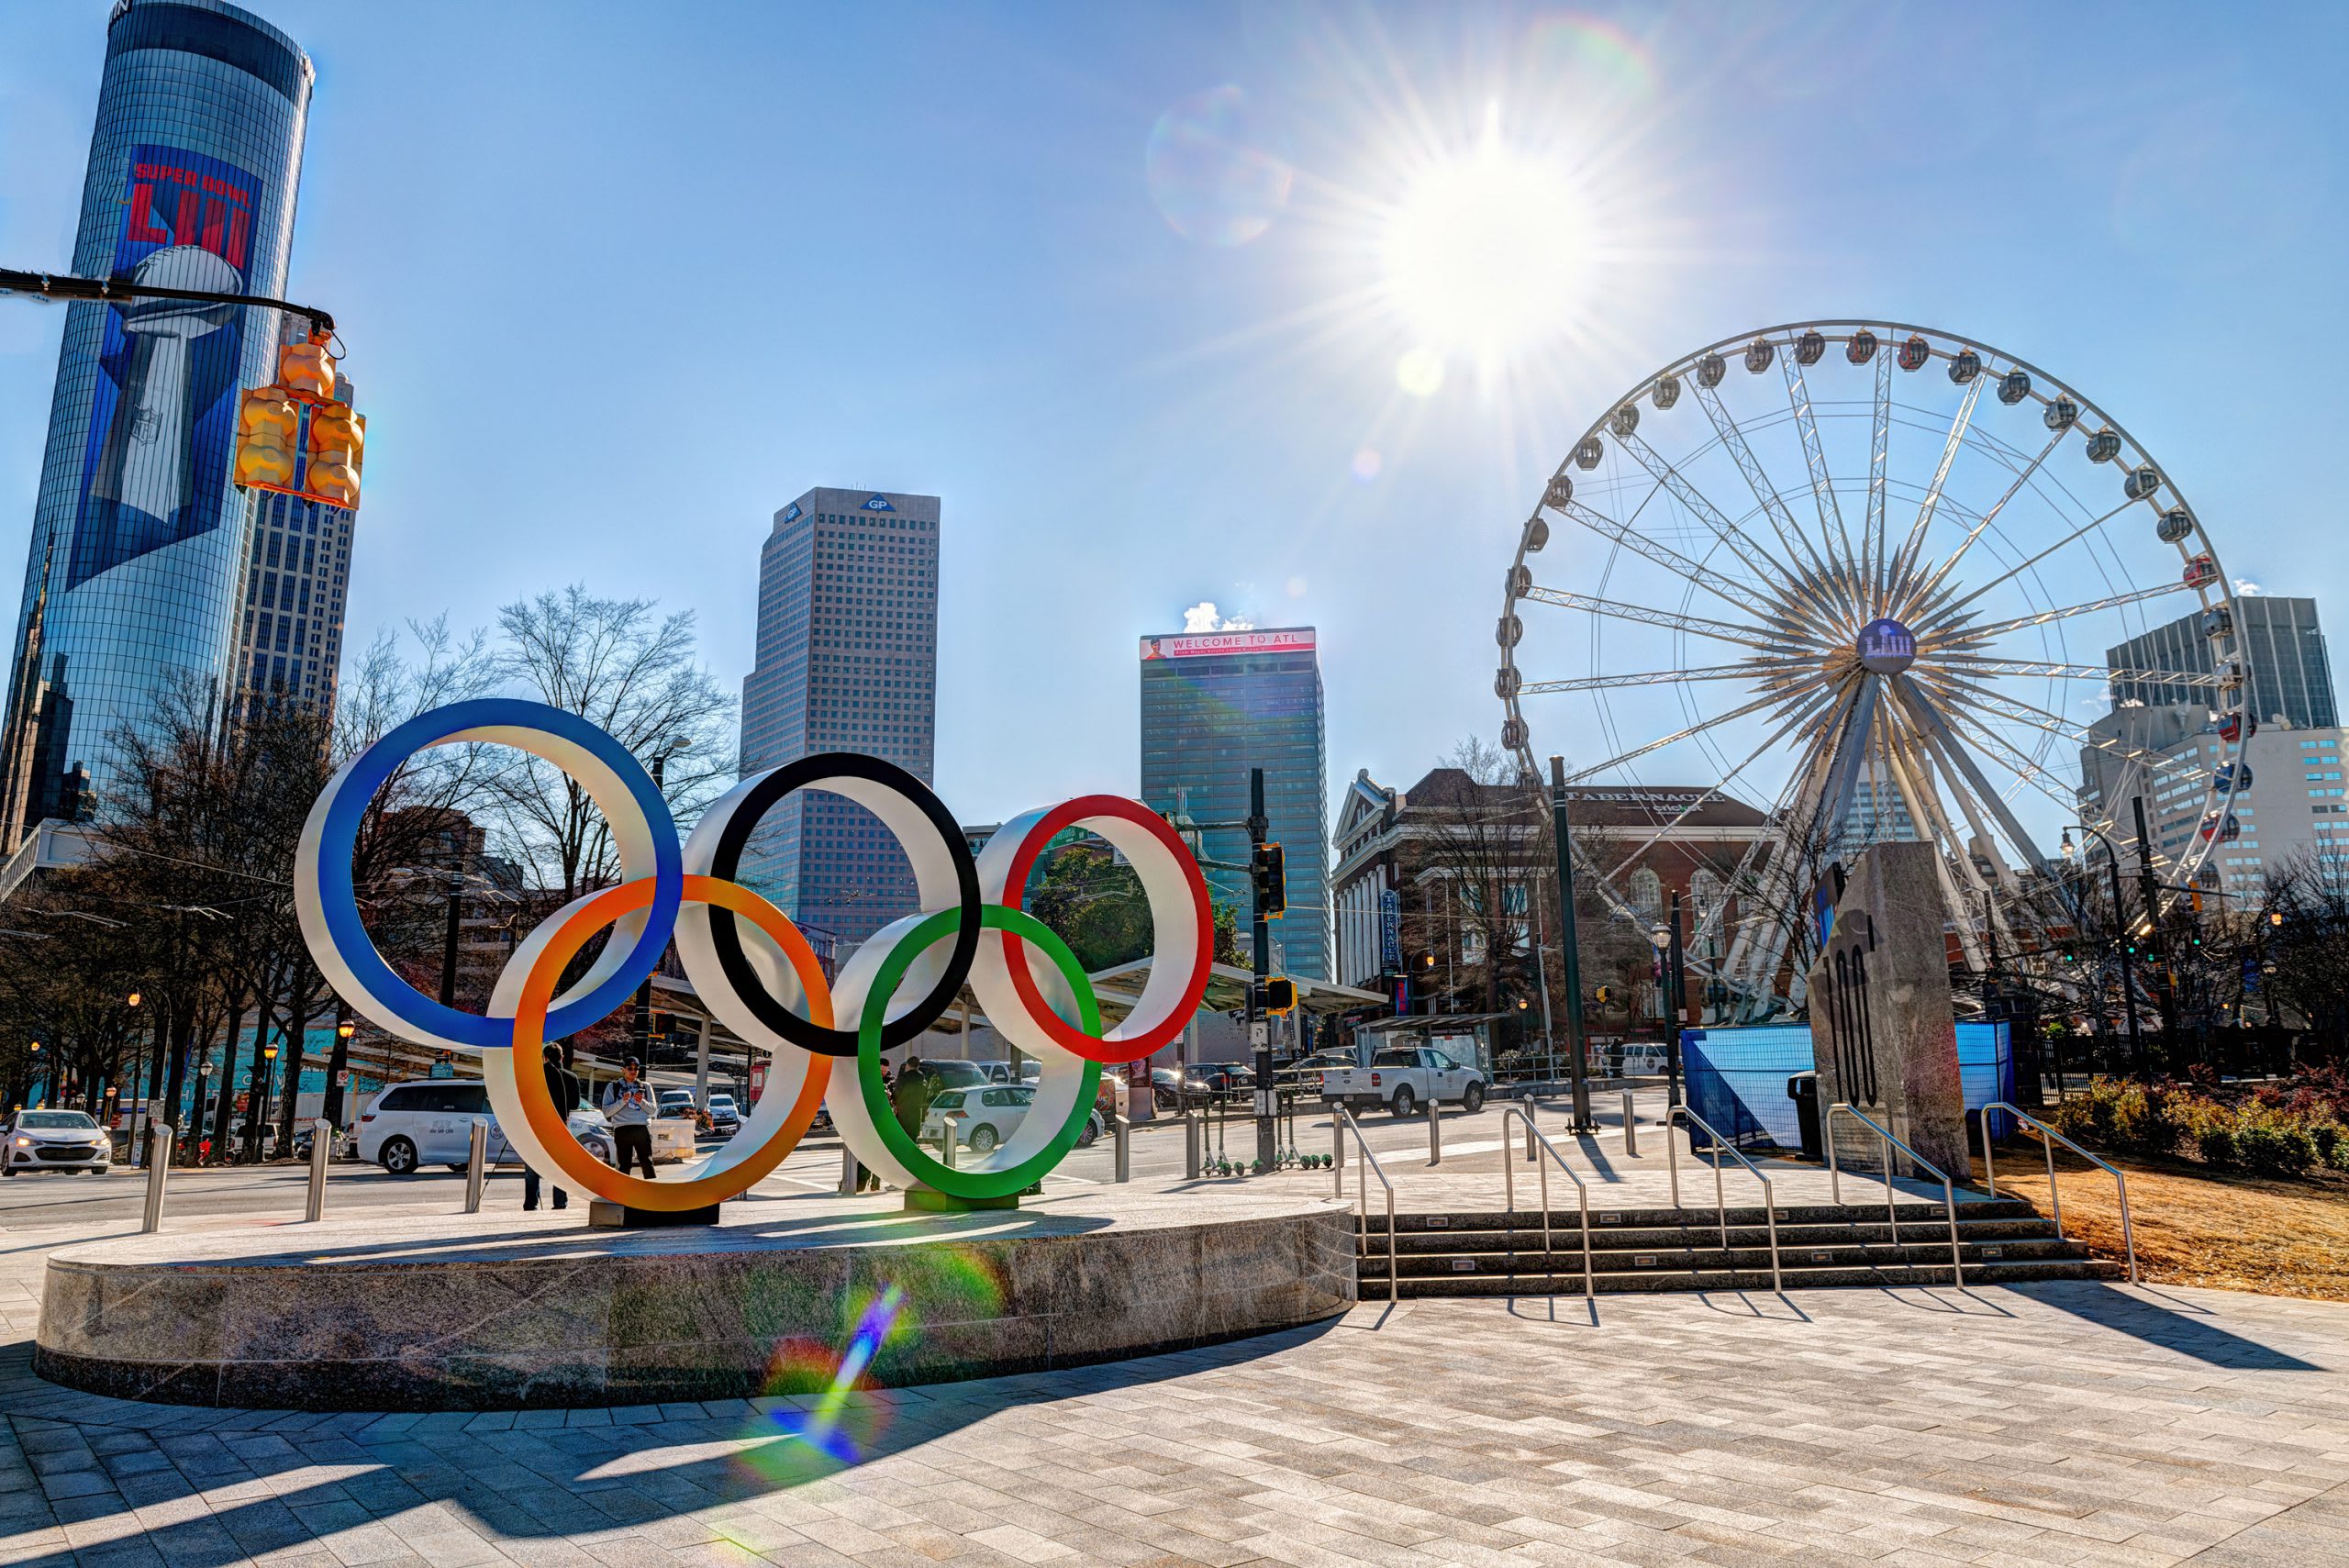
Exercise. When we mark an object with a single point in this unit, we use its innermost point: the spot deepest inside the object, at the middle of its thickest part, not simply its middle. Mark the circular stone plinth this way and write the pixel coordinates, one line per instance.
(492, 1311)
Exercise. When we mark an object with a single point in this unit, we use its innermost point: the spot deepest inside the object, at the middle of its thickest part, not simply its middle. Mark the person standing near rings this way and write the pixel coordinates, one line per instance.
(563, 1090)
(627, 1105)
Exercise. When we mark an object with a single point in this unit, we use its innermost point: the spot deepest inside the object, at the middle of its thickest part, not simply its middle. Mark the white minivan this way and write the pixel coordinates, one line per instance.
(431, 1122)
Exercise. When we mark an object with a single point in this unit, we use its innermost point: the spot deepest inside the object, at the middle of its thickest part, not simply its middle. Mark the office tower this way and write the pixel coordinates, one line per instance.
(846, 662)
(2290, 677)
(290, 639)
(1215, 705)
(135, 574)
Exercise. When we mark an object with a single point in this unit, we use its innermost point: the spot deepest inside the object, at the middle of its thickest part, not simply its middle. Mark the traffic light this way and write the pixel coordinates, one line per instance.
(1268, 873)
(2071, 953)
(1275, 994)
(299, 416)
(1605, 994)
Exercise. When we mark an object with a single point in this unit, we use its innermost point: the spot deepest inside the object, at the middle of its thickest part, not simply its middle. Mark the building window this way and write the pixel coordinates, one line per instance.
(1647, 892)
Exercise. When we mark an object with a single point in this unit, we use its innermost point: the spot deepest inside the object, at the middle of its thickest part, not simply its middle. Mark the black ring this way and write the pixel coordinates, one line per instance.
(726, 938)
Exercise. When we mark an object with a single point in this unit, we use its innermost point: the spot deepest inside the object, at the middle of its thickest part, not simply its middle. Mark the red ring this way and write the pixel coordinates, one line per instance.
(1076, 813)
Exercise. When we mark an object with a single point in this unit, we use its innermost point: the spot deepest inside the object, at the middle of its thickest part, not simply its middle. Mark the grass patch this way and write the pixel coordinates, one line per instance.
(2196, 1226)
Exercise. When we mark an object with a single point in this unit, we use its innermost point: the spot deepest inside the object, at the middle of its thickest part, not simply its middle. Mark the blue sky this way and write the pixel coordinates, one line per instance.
(617, 280)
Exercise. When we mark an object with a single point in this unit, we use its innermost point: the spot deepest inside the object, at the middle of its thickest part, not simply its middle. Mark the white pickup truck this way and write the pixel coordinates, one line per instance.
(1401, 1078)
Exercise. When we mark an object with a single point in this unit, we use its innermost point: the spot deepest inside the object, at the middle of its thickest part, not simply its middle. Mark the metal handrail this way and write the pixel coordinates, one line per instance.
(1582, 1192)
(1949, 1192)
(1720, 1201)
(2046, 1134)
(1340, 1125)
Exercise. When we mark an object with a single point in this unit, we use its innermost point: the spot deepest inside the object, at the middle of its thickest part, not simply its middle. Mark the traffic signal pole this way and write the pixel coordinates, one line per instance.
(1260, 1028)
(1577, 1036)
(2148, 890)
(55, 285)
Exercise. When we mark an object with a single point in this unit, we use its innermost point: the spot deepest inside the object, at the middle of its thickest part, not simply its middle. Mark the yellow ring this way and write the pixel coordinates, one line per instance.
(583, 1170)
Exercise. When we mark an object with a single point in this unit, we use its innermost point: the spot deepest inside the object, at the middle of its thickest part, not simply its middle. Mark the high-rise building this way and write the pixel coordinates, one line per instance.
(139, 540)
(290, 641)
(1215, 705)
(846, 662)
(2290, 675)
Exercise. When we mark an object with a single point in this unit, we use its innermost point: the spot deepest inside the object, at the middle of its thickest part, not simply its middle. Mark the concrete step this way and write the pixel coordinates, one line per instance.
(1567, 1260)
(1563, 1207)
(1565, 1233)
(1374, 1280)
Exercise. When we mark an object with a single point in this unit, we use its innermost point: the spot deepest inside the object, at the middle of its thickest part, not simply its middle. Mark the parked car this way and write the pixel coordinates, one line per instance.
(1208, 1079)
(432, 1121)
(42, 1140)
(953, 1074)
(1306, 1072)
(724, 1119)
(990, 1114)
(1167, 1089)
(1401, 1078)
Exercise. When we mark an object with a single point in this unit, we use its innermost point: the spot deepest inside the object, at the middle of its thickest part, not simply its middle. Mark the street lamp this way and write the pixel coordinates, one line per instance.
(258, 1109)
(2128, 985)
(203, 1098)
(34, 1084)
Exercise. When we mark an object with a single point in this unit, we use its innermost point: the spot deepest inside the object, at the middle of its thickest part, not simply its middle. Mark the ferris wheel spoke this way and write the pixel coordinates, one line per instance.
(1954, 761)
(1697, 626)
(1765, 494)
(1757, 670)
(1822, 485)
(1732, 538)
(1925, 589)
(2016, 571)
(1914, 546)
(1879, 454)
(2037, 718)
(1772, 700)
(2012, 758)
(1961, 637)
(1797, 803)
(1979, 665)
(1671, 559)
(1808, 713)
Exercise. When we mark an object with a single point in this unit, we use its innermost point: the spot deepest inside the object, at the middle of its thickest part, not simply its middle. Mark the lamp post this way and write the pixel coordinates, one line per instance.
(32, 1084)
(1570, 953)
(256, 1110)
(202, 1101)
(338, 1063)
(2120, 933)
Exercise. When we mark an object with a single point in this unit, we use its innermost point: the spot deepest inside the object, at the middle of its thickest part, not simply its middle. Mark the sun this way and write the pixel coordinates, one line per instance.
(1484, 254)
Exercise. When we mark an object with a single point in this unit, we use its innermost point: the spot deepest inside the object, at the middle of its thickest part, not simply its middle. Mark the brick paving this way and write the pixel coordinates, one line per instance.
(2069, 1423)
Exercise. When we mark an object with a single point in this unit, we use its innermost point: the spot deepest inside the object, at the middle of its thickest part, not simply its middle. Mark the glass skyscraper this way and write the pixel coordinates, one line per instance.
(2283, 649)
(1215, 705)
(139, 540)
(846, 662)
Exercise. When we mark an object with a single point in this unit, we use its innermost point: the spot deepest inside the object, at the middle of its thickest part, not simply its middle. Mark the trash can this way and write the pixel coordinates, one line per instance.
(1803, 1090)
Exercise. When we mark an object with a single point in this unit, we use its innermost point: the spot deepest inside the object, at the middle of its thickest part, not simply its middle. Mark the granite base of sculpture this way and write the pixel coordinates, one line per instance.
(1882, 1027)
(786, 1296)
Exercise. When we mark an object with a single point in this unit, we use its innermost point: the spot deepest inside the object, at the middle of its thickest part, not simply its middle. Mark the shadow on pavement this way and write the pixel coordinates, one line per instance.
(530, 1474)
(2159, 1323)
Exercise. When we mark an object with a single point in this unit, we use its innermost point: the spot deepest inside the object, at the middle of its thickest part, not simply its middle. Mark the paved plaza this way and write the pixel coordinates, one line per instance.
(2066, 1423)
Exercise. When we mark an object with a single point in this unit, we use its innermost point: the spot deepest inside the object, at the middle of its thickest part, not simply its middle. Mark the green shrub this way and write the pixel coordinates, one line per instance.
(2271, 1142)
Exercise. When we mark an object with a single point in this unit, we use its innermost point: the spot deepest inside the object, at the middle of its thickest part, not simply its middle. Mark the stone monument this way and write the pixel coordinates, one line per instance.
(1882, 1027)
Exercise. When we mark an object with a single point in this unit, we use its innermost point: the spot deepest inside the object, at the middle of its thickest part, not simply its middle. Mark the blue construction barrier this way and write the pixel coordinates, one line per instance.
(1736, 1079)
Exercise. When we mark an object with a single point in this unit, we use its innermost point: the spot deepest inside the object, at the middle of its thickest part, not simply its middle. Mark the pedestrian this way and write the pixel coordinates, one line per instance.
(868, 1181)
(628, 1105)
(563, 1090)
(910, 1097)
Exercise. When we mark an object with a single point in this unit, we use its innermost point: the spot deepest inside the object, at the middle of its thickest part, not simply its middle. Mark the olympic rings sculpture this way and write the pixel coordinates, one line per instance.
(754, 970)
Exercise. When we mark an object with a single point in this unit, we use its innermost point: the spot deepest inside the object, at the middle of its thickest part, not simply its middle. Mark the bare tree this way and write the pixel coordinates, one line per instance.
(633, 673)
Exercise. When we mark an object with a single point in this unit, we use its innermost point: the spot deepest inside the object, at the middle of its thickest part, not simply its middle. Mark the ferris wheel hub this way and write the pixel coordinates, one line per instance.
(1885, 647)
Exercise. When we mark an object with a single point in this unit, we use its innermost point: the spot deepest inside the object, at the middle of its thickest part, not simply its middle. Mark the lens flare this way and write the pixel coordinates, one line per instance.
(1212, 170)
(1599, 52)
(1366, 464)
(1419, 372)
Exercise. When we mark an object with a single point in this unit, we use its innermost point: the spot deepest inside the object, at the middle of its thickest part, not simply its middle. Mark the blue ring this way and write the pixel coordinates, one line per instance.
(338, 835)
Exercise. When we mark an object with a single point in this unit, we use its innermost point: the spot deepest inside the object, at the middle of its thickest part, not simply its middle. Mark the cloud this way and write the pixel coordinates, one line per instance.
(2246, 585)
(1202, 616)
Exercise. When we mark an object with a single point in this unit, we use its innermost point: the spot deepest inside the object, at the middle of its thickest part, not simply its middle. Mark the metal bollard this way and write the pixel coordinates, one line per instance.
(1338, 1151)
(848, 1172)
(1528, 1132)
(321, 1146)
(1630, 1128)
(952, 1137)
(158, 1166)
(1191, 1140)
(476, 1167)
(1435, 1133)
(1121, 1129)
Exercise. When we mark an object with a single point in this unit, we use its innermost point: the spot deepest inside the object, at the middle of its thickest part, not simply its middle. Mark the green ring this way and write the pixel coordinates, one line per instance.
(959, 1181)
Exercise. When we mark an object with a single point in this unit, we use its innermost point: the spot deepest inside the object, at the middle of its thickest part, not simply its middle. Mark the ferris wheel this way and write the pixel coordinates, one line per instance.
(1863, 577)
